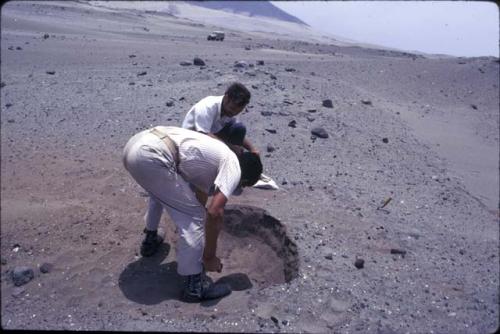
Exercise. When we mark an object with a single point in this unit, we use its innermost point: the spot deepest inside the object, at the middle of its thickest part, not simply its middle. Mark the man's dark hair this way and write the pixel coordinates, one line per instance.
(238, 94)
(251, 167)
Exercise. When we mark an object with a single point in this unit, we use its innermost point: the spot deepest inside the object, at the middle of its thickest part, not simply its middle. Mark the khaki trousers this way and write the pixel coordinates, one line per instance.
(151, 164)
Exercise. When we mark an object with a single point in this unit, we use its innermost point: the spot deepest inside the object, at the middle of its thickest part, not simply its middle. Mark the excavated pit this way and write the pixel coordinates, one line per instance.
(254, 249)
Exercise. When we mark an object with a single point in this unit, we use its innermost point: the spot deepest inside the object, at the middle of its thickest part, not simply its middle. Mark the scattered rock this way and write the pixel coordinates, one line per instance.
(198, 61)
(51, 72)
(266, 113)
(290, 69)
(8, 105)
(270, 148)
(11, 121)
(271, 130)
(311, 110)
(398, 251)
(46, 36)
(275, 320)
(292, 124)
(132, 56)
(327, 103)
(367, 102)
(273, 77)
(19, 48)
(248, 48)
(319, 132)
(22, 275)
(359, 263)
(240, 64)
(46, 267)
(385, 140)
(329, 256)
(260, 62)
(186, 63)
(142, 73)
(310, 119)
(169, 103)
(2, 84)
(473, 106)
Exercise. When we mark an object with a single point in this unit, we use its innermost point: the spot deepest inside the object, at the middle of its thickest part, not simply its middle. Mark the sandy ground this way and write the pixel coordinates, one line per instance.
(421, 131)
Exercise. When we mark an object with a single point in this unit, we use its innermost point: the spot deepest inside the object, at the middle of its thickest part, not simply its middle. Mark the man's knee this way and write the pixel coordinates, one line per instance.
(237, 132)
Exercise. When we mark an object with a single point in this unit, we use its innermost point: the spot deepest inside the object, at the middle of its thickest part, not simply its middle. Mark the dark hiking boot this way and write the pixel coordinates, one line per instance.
(151, 243)
(198, 288)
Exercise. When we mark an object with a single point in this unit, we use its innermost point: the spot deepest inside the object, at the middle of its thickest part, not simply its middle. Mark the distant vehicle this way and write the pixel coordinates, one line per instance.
(216, 36)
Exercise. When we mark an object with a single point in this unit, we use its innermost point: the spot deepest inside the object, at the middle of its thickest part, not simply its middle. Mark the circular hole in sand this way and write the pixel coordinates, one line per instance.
(254, 249)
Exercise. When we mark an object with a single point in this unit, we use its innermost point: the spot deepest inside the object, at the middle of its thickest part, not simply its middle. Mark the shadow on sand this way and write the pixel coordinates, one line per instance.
(148, 281)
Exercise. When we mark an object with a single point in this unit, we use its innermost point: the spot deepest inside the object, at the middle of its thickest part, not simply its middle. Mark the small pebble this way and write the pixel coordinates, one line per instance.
(22, 275)
(327, 103)
(319, 132)
(46, 268)
(359, 263)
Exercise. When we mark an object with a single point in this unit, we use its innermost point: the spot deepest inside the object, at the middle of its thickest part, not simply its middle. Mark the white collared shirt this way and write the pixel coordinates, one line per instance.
(205, 116)
(205, 162)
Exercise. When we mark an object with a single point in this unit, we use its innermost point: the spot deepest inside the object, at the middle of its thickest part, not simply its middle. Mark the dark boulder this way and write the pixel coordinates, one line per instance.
(319, 132)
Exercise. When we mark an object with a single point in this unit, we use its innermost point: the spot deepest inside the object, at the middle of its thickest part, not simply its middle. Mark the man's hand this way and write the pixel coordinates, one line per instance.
(256, 152)
(248, 145)
(212, 264)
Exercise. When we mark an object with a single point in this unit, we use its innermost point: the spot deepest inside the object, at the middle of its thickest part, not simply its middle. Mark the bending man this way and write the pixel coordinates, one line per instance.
(173, 165)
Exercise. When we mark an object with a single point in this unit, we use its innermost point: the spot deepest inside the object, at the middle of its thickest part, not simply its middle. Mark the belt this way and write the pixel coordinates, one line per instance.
(172, 147)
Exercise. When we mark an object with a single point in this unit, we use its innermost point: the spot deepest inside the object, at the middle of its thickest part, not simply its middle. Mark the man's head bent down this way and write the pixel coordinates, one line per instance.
(251, 168)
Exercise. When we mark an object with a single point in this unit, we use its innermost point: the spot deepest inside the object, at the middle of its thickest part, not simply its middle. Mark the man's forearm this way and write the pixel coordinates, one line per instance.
(212, 229)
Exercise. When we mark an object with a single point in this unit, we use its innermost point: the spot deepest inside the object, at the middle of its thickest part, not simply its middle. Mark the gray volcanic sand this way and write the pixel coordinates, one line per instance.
(428, 140)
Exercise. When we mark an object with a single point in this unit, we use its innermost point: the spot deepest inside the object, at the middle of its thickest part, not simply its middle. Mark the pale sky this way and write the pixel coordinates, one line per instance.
(458, 28)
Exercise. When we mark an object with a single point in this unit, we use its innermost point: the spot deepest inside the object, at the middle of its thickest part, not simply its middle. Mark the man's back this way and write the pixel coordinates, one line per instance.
(205, 161)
